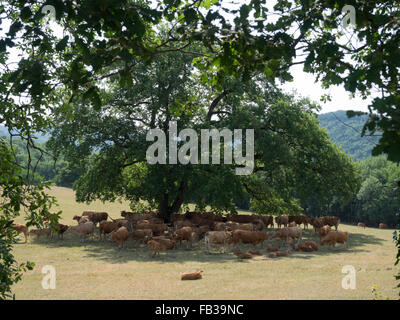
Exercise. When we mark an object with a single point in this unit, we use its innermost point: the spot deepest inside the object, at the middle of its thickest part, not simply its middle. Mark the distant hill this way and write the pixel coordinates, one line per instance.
(40, 137)
(348, 134)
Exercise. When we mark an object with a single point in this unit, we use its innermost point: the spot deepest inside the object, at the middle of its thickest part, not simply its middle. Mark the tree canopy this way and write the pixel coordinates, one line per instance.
(241, 40)
(293, 155)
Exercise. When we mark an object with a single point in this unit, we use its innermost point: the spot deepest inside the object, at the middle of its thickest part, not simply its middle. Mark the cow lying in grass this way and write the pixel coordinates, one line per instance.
(192, 275)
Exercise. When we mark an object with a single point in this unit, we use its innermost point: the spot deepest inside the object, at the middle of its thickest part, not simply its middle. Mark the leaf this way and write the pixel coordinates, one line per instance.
(61, 45)
(190, 15)
(26, 13)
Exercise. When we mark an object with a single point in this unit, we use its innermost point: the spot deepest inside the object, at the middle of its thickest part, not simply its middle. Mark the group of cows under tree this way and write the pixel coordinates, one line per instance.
(206, 226)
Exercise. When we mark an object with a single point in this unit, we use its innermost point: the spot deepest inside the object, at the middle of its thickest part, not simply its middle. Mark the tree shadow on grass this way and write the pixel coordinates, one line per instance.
(355, 244)
(106, 250)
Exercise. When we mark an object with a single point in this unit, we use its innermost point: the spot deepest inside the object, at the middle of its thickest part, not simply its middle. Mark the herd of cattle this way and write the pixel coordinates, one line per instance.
(211, 228)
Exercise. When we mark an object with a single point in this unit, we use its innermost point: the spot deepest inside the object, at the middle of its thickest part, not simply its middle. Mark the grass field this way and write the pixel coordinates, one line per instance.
(97, 270)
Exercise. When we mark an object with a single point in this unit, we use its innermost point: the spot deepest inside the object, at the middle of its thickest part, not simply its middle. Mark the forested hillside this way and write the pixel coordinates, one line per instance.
(346, 133)
(41, 138)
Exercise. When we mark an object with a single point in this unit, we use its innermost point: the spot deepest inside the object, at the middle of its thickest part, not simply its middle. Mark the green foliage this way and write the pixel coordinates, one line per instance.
(116, 34)
(378, 198)
(375, 200)
(16, 197)
(294, 158)
(45, 166)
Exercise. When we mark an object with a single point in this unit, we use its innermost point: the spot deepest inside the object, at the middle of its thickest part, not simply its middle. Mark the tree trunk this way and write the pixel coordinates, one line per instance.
(166, 211)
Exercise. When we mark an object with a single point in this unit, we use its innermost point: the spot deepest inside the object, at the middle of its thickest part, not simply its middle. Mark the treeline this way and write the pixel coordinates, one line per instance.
(43, 166)
(375, 201)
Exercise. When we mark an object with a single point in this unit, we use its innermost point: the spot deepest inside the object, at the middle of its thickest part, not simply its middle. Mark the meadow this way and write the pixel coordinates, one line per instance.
(98, 270)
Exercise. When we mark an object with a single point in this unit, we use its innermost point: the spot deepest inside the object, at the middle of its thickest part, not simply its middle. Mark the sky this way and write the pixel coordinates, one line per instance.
(304, 84)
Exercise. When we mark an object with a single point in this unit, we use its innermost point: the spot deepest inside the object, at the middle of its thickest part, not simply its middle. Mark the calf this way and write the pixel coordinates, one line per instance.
(200, 231)
(182, 223)
(259, 225)
(167, 241)
(255, 252)
(282, 253)
(232, 226)
(81, 219)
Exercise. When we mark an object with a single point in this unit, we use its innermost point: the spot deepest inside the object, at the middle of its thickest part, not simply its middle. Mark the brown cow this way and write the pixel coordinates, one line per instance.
(332, 221)
(335, 236)
(253, 237)
(21, 228)
(60, 229)
(307, 246)
(361, 224)
(157, 228)
(282, 220)
(185, 233)
(192, 275)
(120, 236)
